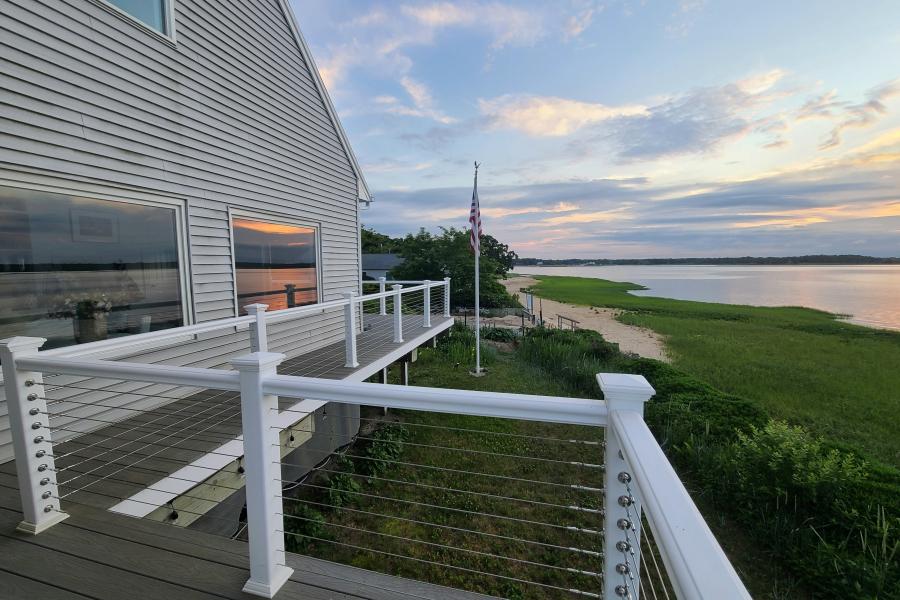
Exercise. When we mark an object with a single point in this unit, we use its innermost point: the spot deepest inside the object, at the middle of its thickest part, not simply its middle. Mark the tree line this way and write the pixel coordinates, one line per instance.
(448, 254)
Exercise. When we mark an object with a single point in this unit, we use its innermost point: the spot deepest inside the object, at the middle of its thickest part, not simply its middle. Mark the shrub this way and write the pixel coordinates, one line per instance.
(303, 520)
(499, 334)
(830, 515)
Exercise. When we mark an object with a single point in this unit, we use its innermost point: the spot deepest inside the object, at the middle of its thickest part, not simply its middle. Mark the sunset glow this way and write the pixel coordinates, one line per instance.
(637, 129)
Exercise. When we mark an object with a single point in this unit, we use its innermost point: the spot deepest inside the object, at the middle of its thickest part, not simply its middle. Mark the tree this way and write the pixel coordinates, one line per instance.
(377, 243)
(448, 254)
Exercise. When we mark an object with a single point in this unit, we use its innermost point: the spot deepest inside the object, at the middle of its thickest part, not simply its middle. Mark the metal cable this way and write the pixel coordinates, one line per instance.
(448, 547)
(457, 471)
(431, 562)
(591, 553)
(448, 508)
(165, 437)
(459, 491)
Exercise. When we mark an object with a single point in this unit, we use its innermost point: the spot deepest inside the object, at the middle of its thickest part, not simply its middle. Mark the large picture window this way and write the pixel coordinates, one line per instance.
(275, 263)
(76, 270)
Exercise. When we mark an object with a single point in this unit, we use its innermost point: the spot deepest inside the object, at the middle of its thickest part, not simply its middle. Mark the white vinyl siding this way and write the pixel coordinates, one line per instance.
(229, 118)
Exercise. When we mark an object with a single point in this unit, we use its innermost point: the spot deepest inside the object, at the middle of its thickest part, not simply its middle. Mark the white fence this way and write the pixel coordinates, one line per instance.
(639, 483)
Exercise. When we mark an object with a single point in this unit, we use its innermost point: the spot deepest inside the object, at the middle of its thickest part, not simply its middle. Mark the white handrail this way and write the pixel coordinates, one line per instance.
(155, 339)
(695, 563)
(217, 379)
(576, 411)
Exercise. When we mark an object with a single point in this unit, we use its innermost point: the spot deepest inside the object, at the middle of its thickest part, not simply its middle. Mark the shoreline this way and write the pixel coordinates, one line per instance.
(630, 338)
(872, 307)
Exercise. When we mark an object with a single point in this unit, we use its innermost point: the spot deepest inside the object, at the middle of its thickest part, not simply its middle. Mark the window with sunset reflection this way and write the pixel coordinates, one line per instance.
(275, 264)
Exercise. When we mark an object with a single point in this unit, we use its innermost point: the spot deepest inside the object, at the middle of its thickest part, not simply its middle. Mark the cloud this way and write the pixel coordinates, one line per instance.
(838, 209)
(864, 113)
(576, 24)
(544, 116)
(682, 20)
(508, 25)
(696, 122)
(846, 114)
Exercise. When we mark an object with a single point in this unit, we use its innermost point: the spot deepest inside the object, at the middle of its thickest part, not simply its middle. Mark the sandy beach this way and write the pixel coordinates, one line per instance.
(637, 340)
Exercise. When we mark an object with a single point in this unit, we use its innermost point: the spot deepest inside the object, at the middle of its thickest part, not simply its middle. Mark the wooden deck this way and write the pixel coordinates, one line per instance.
(100, 554)
(103, 556)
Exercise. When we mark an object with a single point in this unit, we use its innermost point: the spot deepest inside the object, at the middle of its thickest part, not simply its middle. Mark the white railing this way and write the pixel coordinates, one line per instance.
(639, 485)
(257, 320)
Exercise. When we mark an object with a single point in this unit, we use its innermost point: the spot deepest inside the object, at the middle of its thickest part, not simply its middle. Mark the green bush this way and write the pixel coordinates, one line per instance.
(386, 446)
(303, 520)
(827, 513)
(499, 334)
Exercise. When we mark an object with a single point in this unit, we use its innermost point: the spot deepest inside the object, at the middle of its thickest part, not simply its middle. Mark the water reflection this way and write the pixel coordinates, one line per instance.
(868, 293)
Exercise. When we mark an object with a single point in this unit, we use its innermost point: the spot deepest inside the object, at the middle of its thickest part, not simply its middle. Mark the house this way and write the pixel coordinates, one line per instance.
(378, 265)
(169, 161)
(182, 335)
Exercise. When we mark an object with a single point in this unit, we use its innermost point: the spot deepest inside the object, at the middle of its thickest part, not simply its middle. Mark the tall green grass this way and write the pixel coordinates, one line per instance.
(829, 514)
(801, 365)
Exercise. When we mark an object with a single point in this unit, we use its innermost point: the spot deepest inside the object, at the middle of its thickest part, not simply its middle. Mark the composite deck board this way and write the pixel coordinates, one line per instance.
(105, 556)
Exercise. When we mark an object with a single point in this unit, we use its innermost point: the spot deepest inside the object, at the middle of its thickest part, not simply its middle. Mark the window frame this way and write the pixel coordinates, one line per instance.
(168, 6)
(275, 219)
(113, 194)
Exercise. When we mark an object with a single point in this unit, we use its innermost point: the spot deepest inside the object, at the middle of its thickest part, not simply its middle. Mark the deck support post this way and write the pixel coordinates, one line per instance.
(259, 336)
(382, 302)
(426, 310)
(350, 330)
(265, 522)
(404, 374)
(446, 297)
(398, 314)
(30, 428)
(622, 527)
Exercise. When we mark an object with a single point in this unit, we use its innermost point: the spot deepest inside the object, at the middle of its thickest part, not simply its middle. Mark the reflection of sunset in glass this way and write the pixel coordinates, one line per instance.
(273, 228)
(275, 264)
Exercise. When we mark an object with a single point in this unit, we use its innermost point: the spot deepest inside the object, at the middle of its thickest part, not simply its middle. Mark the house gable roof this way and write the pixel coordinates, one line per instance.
(363, 189)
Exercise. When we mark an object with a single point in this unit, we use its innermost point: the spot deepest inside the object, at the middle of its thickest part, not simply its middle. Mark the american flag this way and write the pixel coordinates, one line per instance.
(475, 217)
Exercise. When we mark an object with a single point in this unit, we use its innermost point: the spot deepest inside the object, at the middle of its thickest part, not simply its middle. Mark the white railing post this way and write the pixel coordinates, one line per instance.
(33, 447)
(622, 528)
(382, 302)
(426, 319)
(398, 315)
(350, 330)
(259, 337)
(265, 523)
(446, 297)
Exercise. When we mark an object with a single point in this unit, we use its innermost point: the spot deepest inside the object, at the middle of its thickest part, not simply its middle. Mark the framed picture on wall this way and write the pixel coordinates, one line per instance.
(93, 226)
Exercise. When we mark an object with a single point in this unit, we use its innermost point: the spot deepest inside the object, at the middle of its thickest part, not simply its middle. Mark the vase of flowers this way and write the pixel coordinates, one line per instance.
(88, 312)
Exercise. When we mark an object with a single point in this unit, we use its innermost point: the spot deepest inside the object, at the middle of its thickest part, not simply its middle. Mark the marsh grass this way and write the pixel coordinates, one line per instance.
(802, 365)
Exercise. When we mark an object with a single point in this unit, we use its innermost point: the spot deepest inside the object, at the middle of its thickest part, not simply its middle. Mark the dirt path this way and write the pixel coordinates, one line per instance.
(637, 340)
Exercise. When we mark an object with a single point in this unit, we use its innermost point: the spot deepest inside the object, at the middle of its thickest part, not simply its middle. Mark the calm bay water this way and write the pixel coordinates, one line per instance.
(870, 294)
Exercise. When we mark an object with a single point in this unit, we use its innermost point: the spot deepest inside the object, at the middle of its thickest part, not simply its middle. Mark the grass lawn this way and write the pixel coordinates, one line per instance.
(839, 380)
(427, 499)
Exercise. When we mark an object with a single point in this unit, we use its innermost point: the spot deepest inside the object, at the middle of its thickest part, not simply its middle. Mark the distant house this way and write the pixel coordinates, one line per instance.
(378, 265)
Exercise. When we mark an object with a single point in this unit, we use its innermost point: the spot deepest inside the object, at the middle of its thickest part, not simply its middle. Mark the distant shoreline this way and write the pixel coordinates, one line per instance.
(808, 260)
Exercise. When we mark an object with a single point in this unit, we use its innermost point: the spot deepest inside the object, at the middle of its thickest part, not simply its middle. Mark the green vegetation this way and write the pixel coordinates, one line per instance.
(839, 380)
(830, 516)
(799, 516)
(330, 517)
(448, 254)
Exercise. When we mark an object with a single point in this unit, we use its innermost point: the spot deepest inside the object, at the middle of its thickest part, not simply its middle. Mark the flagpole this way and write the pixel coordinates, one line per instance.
(477, 290)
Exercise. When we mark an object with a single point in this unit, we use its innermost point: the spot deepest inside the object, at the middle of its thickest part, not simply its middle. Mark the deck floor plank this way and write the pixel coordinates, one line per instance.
(101, 555)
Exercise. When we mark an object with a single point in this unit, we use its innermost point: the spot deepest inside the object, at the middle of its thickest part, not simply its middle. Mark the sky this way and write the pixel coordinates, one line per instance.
(624, 129)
